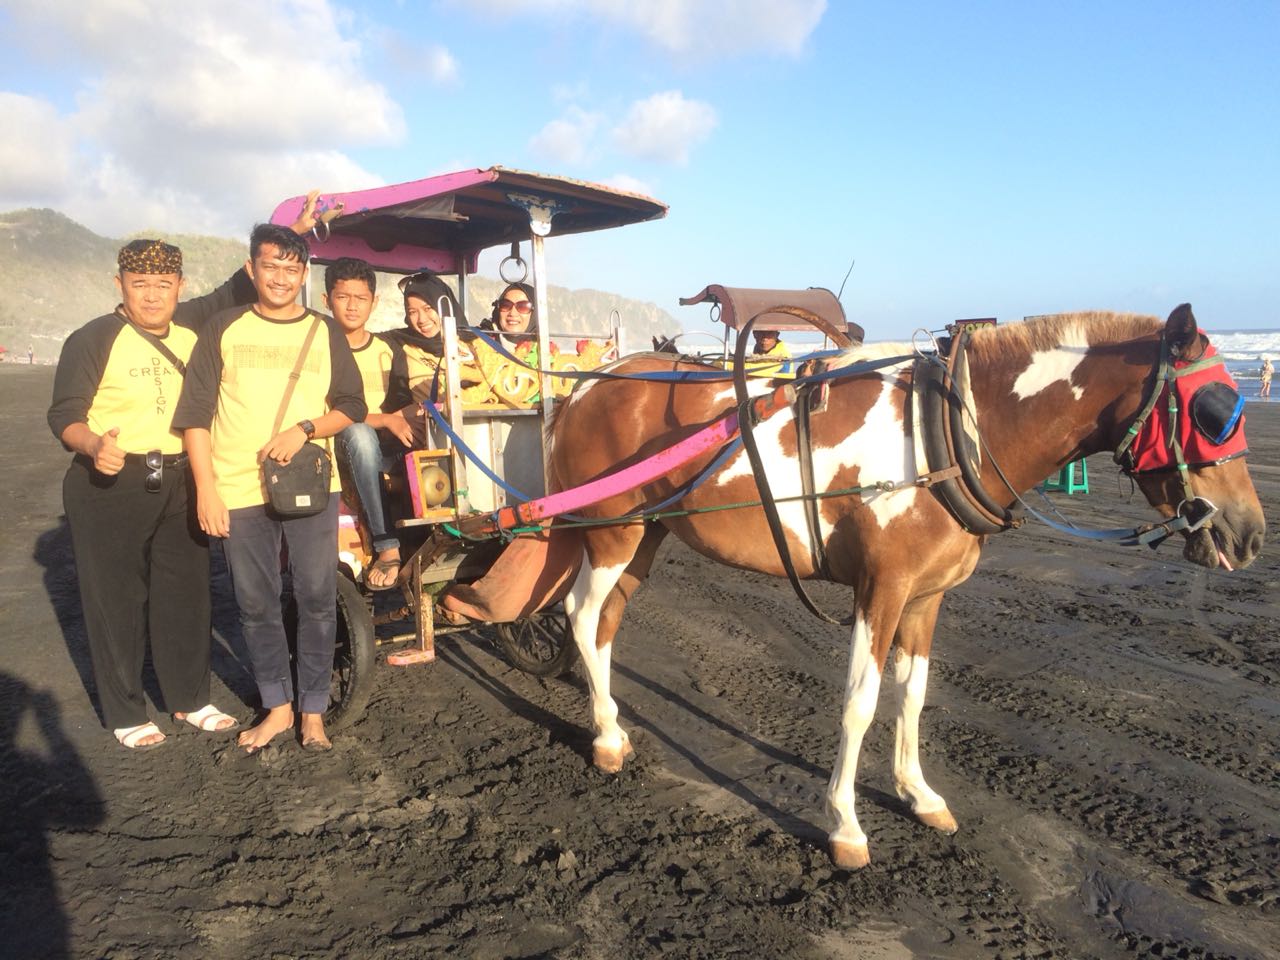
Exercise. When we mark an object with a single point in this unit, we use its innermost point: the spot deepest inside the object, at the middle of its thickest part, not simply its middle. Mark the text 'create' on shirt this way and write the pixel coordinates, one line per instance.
(110, 375)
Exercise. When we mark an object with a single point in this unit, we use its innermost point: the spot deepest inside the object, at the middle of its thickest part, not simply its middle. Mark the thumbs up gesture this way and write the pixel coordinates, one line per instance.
(108, 458)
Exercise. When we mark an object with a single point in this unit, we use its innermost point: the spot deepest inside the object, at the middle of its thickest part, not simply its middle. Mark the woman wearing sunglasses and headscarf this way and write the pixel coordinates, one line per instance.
(515, 321)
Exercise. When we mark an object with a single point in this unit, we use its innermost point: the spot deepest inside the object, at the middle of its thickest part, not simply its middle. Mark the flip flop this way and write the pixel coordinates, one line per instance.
(207, 719)
(384, 566)
(128, 737)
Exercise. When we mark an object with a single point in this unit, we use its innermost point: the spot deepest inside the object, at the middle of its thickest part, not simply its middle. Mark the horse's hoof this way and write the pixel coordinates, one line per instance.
(610, 760)
(939, 820)
(849, 856)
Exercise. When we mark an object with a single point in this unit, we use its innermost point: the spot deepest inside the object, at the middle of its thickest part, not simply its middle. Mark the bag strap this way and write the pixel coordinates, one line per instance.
(295, 374)
(159, 345)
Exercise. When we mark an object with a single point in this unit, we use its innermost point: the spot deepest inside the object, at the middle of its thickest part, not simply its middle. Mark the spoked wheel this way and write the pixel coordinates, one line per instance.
(541, 644)
(353, 658)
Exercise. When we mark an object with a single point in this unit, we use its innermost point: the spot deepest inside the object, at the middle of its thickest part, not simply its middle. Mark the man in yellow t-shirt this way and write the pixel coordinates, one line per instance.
(235, 384)
(366, 449)
(143, 575)
(771, 357)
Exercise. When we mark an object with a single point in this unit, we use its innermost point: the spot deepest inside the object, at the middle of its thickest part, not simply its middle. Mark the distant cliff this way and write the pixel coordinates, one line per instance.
(57, 275)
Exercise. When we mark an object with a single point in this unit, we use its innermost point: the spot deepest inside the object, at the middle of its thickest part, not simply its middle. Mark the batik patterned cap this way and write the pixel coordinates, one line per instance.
(150, 256)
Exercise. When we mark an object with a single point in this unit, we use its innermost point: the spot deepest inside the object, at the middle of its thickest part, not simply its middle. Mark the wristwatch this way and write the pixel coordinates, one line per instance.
(308, 428)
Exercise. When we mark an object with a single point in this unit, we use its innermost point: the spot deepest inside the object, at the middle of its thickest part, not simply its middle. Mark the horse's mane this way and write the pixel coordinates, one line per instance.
(1018, 340)
(871, 351)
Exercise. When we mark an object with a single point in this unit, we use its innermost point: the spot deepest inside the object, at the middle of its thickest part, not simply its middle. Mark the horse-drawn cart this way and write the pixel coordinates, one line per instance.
(443, 224)
(884, 469)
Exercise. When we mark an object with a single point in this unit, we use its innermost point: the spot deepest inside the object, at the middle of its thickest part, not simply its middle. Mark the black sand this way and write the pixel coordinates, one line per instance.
(1103, 722)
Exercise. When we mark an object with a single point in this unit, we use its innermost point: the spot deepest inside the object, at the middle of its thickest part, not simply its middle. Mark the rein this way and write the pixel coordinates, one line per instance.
(661, 376)
(736, 427)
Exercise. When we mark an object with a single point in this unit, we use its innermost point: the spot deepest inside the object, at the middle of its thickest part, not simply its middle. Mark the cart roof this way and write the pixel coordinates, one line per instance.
(442, 223)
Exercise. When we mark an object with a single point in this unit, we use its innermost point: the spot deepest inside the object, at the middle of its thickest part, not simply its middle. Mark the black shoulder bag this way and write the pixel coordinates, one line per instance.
(299, 488)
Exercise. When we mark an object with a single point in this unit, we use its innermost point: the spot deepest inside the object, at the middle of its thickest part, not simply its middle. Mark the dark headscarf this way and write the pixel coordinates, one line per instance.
(492, 322)
(435, 292)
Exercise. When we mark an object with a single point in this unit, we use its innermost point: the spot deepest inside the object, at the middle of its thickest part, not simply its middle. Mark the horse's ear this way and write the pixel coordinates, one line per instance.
(1181, 331)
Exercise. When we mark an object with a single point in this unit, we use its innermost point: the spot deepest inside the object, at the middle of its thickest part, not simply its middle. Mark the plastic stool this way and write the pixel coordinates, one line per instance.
(1066, 479)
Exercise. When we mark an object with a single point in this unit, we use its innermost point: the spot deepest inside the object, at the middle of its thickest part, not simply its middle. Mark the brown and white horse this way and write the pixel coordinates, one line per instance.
(1047, 391)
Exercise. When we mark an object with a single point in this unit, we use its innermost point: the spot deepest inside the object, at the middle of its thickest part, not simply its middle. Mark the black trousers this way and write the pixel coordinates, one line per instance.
(143, 566)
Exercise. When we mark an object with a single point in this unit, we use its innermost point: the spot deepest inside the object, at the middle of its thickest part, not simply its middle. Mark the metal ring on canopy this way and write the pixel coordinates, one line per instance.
(517, 263)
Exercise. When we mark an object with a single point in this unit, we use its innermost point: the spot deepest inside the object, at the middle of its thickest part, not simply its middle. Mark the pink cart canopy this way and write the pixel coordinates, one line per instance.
(442, 223)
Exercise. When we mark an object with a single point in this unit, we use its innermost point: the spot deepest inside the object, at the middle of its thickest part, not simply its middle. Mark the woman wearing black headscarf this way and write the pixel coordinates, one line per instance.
(419, 346)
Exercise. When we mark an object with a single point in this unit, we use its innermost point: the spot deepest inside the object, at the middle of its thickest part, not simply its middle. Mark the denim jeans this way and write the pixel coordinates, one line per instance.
(360, 452)
(253, 555)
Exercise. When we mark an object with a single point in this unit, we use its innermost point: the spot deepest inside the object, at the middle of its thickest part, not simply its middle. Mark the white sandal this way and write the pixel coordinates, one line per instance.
(128, 737)
(207, 719)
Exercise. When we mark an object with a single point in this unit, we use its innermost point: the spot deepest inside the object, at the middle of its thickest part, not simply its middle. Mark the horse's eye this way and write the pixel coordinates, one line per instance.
(1215, 410)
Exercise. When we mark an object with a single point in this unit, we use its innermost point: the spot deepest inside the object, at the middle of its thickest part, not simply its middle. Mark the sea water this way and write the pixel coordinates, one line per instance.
(1243, 351)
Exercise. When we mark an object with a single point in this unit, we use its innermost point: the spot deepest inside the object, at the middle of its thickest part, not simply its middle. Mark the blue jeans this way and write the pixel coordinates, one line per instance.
(253, 556)
(360, 452)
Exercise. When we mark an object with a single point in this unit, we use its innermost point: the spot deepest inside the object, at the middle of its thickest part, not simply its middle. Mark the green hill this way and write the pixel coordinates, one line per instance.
(58, 275)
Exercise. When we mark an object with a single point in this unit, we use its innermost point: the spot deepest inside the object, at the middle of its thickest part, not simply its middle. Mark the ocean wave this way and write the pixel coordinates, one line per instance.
(1246, 346)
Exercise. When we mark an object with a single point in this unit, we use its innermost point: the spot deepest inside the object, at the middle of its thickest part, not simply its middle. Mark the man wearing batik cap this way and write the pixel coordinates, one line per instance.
(143, 566)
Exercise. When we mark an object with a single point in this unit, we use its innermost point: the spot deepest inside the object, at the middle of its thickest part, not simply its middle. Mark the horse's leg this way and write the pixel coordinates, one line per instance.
(609, 552)
(611, 613)
(875, 622)
(911, 673)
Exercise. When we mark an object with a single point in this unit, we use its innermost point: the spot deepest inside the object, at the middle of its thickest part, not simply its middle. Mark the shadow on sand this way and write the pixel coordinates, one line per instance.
(44, 786)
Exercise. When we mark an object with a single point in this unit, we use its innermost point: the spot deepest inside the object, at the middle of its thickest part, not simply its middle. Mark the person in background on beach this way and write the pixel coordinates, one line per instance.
(1265, 390)
(143, 569)
(366, 449)
(239, 371)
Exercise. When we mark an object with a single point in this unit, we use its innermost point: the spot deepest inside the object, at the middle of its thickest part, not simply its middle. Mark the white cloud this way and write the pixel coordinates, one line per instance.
(707, 27)
(440, 65)
(567, 139)
(200, 116)
(36, 151)
(664, 127)
(432, 62)
(624, 181)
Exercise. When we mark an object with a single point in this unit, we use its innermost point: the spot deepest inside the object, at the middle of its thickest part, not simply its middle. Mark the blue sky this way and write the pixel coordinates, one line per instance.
(983, 159)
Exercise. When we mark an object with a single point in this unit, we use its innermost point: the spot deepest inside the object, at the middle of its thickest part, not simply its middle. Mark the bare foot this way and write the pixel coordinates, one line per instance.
(313, 735)
(277, 721)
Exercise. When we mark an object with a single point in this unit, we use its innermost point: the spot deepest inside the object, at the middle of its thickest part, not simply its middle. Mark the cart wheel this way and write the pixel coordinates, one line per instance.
(541, 645)
(353, 658)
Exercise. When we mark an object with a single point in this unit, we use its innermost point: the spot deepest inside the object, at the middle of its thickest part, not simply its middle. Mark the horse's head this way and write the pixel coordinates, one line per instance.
(1206, 433)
